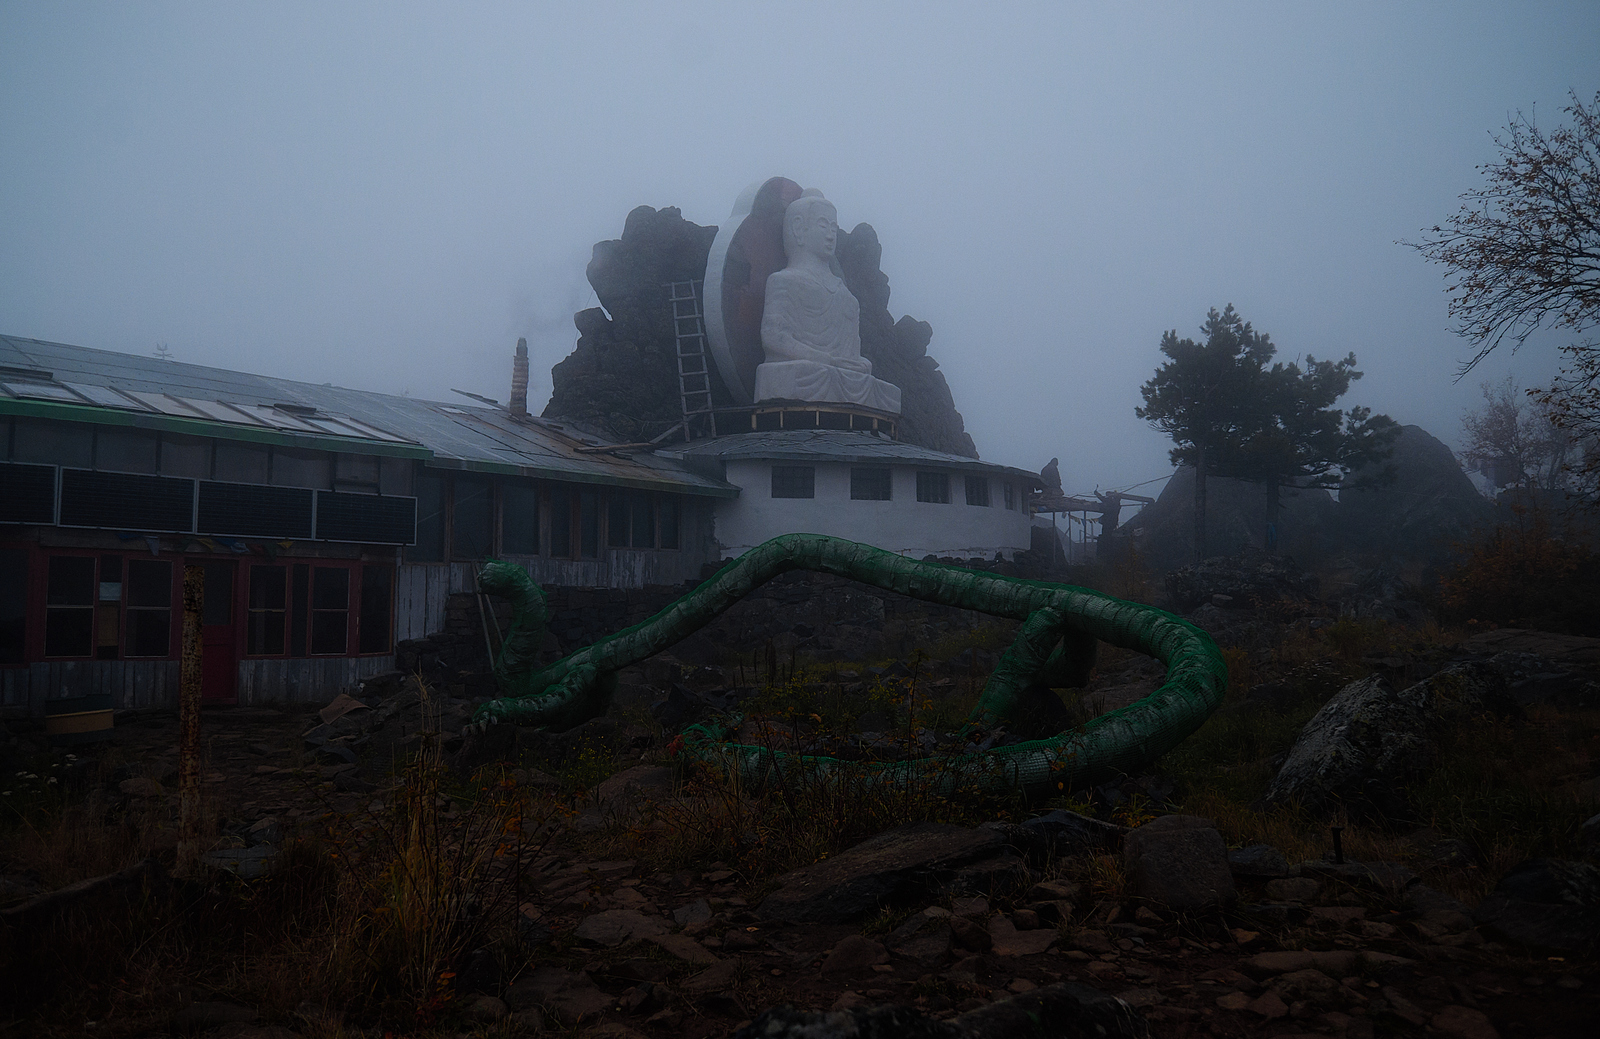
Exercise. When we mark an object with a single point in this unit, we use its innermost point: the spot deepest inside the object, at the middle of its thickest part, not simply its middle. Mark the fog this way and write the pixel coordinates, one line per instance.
(387, 196)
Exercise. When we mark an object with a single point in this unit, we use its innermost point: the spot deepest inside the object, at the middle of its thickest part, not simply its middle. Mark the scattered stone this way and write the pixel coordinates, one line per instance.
(1240, 582)
(891, 868)
(849, 1000)
(1258, 861)
(615, 926)
(203, 1016)
(1403, 1008)
(1309, 984)
(1027, 919)
(1233, 1001)
(1180, 861)
(697, 913)
(1058, 890)
(1269, 1006)
(683, 947)
(1459, 1022)
(971, 908)
(1337, 916)
(1008, 941)
(569, 997)
(718, 977)
(1062, 833)
(970, 935)
(1067, 1010)
(248, 863)
(853, 955)
(485, 1009)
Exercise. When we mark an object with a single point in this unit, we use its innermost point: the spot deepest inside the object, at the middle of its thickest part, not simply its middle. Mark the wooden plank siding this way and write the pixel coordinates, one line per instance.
(149, 684)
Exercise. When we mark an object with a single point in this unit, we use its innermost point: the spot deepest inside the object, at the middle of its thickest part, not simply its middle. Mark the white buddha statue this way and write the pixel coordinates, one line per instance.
(811, 322)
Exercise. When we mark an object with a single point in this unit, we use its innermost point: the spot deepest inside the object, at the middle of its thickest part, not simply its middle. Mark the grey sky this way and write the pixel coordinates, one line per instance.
(386, 196)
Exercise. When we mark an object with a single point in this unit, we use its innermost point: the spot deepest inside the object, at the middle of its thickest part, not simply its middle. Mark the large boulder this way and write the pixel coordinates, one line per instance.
(1236, 520)
(1180, 861)
(1428, 508)
(1546, 904)
(1369, 740)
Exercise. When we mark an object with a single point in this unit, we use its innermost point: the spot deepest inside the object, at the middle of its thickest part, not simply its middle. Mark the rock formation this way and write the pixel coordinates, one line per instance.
(1428, 508)
(898, 351)
(622, 378)
(1236, 519)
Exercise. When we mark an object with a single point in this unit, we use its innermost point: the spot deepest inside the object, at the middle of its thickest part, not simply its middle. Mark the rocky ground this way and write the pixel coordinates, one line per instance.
(1161, 929)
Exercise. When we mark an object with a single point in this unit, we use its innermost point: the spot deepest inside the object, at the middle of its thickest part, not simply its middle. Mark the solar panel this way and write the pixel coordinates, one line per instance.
(368, 519)
(126, 501)
(254, 511)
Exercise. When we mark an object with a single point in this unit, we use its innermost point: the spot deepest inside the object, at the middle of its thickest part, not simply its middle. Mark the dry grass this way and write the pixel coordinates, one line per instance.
(365, 921)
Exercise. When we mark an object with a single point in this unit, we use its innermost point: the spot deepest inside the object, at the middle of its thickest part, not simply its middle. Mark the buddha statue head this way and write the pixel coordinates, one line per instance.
(811, 227)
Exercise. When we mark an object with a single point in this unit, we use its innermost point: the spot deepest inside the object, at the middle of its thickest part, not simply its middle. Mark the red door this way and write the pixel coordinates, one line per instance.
(219, 636)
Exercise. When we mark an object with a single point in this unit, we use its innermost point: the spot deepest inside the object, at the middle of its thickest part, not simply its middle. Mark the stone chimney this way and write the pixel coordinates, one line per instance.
(519, 379)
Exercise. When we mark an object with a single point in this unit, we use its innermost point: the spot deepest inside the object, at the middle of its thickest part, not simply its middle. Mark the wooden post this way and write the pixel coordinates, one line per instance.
(189, 724)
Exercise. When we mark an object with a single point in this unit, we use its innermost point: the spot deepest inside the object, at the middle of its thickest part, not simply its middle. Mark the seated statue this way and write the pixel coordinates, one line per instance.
(811, 322)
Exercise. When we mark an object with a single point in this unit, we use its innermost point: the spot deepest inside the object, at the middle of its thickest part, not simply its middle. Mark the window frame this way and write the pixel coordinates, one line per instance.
(933, 487)
(858, 476)
(805, 475)
(980, 483)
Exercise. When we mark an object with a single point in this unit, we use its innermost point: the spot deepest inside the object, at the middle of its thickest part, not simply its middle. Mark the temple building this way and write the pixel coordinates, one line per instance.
(332, 523)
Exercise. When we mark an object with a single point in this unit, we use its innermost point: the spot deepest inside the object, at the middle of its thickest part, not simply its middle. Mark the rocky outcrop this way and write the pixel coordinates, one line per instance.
(1429, 507)
(1236, 519)
(1239, 582)
(898, 351)
(622, 378)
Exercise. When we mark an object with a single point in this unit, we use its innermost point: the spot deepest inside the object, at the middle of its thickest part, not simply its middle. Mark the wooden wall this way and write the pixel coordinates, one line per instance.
(145, 684)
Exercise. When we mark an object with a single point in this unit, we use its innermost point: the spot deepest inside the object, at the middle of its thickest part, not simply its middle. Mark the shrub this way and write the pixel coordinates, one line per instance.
(1526, 575)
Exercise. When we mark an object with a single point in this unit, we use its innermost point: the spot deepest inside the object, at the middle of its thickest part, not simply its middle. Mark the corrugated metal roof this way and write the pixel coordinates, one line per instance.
(454, 435)
(834, 445)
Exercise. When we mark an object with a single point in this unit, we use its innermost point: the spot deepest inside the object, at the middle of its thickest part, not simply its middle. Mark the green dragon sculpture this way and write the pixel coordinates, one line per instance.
(1054, 643)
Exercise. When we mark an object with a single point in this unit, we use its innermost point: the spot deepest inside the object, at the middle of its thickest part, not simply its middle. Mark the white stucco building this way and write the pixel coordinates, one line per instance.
(865, 487)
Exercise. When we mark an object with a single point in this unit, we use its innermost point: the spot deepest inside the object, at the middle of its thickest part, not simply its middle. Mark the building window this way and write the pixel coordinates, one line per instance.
(934, 487)
(1011, 496)
(149, 609)
(376, 622)
(69, 606)
(667, 520)
(869, 485)
(13, 605)
(330, 610)
(430, 520)
(108, 610)
(588, 524)
(268, 606)
(794, 481)
(978, 490)
(560, 523)
(519, 519)
(472, 521)
(617, 520)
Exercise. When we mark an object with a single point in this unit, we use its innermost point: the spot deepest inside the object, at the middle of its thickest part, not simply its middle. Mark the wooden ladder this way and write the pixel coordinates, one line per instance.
(694, 369)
